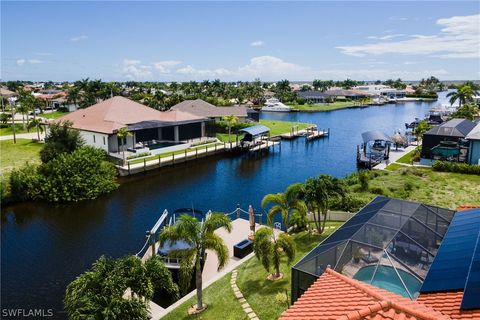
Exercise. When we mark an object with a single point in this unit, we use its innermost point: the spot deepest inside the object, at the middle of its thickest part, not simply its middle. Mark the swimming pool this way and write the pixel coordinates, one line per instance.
(386, 278)
(159, 145)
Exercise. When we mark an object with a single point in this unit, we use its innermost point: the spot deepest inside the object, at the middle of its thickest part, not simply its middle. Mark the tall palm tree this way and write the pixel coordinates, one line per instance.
(286, 203)
(122, 134)
(199, 236)
(269, 249)
(231, 121)
(320, 192)
(464, 94)
(37, 124)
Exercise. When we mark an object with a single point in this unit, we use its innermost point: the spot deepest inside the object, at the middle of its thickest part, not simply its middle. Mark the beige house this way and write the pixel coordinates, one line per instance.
(151, 129)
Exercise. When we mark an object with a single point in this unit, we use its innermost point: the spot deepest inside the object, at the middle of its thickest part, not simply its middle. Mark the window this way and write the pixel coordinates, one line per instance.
(94, 139)
(103, 140)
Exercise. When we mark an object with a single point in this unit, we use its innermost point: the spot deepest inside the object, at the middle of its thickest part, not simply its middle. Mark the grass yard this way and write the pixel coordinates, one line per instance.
(16, 155)
(221, 302)
(7, 131)
(407, 158)
(281, 127)
(224, 137)
(259, 292)
(53, 115)
(324, 107)
(443, 189)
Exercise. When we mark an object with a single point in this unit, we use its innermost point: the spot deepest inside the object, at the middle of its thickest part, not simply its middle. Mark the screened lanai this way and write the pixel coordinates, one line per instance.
(390, 243)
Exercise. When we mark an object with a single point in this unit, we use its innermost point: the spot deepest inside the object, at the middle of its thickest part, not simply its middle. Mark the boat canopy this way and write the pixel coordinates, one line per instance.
(375, 135)
(255, 130)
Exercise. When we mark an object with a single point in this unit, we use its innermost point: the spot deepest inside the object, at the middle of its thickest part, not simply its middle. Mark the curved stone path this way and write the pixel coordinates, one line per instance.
(238, 294)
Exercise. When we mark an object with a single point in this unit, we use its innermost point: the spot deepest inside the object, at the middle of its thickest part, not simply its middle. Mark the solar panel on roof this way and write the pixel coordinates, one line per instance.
(457, 263)
(471, 295)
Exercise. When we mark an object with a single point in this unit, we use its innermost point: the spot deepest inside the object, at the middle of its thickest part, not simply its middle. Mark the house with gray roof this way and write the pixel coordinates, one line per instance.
(473, 138)
(204, 109)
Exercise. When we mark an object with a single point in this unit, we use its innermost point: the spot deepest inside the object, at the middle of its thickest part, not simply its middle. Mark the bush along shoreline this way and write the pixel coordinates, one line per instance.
(69, 171)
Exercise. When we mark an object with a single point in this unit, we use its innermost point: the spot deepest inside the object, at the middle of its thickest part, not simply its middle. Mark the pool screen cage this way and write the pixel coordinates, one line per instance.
(393, 241)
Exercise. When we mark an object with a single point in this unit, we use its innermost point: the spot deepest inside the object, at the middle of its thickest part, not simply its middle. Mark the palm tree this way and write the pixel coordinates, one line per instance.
(199, 236)
(320, 192)
(286, 203)
(37, 124)
(420, 129)
(98, 293)
(122, 134)
(269, 249)
(231, 121)
(464, 94)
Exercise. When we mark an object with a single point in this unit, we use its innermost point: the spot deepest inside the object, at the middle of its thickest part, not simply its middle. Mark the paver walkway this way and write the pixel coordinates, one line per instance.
(238, 294)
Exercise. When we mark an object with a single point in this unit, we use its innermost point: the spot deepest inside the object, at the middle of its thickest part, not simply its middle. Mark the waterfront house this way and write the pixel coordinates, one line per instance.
(204, 109)
(394, 259)
(447, 141)
(313, 97)
(151, 129)
(473, 138)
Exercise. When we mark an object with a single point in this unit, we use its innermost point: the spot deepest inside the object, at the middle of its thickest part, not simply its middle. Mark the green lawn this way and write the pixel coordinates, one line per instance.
(281, 127)
(224, 137)
(7, 131)
(324, 106)
(407, 158)
(259, 292)
(443, 189)
(53, 115)
(16, 155)
(221, 302)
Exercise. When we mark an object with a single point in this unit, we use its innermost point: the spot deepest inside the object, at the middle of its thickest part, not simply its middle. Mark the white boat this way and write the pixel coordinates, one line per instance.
(274, 105)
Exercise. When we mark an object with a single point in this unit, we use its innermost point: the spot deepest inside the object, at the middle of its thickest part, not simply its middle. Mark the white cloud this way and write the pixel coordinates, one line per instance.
(79, 38)
(258, 43)
(459, 38)
(22, 61)
(134, 70)
(203, 73)
(263, 67)
(165, 66)
(387, 37)
(272, 68)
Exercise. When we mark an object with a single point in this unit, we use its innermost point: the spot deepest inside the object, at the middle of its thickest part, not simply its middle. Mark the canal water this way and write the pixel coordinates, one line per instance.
(45, 246)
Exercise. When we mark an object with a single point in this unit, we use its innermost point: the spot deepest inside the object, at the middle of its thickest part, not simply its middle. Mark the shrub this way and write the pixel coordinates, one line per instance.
(349, 203)
(298, 220)
(83, 174)
(466, 168)
(60, 139)
(25, 183)
(377, 190)
(139, 155)
(363, 179)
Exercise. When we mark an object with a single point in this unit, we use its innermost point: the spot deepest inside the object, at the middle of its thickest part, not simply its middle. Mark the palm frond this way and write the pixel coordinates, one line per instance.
(217, 220)
(216, 243)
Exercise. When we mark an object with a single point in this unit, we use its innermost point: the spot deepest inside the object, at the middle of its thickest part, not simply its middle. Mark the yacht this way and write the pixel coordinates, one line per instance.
(275, 105)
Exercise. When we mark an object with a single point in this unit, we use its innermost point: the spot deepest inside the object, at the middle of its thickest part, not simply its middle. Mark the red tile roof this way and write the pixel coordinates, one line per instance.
(118, 112)
(449, 304)
(464, 207)
(335, 296)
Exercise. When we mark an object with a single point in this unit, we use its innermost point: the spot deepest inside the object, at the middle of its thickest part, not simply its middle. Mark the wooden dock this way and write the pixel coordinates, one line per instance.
(316, 134)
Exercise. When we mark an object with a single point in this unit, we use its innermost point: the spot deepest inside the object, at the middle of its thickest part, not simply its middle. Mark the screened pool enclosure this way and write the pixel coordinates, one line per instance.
(390, 243)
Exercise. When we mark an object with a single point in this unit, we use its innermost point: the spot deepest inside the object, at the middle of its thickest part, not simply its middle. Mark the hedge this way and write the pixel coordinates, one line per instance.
(457, 167)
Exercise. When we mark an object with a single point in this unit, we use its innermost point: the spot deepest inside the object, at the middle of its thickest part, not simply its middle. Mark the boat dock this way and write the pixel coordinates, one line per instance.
(310, 133)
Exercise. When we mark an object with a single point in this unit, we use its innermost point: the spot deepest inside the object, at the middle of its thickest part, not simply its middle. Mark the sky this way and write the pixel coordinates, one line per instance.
(270, 41)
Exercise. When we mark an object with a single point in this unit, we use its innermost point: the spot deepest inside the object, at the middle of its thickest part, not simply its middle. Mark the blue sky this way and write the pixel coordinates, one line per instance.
(182, 41)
